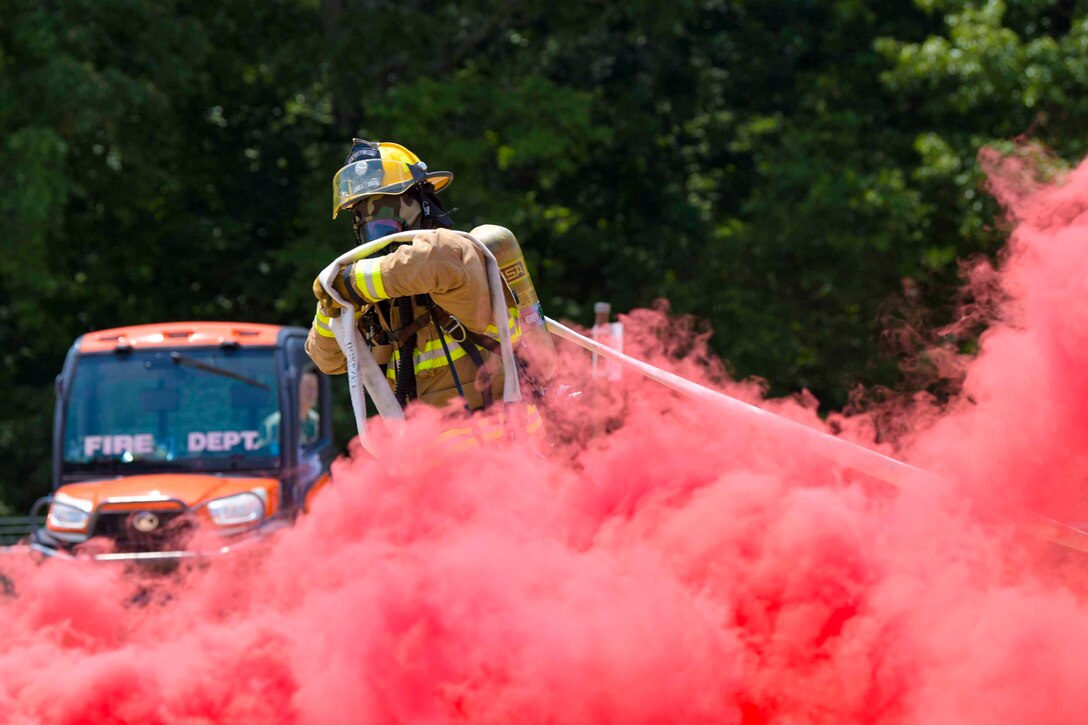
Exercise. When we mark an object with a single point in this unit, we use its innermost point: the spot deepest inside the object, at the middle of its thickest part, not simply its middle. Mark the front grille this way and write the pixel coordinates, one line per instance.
(170, 531)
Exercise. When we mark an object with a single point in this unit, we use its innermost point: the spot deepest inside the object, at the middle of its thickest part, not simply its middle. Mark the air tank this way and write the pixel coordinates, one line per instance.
(541, 355)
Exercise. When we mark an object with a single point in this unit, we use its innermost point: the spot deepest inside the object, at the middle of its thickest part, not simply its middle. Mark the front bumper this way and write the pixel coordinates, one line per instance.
(48, 543)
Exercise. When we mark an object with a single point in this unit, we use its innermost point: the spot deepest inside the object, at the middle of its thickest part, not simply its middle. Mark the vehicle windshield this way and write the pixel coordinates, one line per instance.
(202, 409)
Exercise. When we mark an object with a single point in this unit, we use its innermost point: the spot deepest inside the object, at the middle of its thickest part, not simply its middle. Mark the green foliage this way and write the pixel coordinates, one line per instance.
(790, 172)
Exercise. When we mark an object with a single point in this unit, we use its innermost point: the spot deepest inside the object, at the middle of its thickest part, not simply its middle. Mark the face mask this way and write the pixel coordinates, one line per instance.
(378, 228)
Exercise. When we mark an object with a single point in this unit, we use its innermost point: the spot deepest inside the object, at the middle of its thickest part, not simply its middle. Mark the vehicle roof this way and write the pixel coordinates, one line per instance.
(180, 334)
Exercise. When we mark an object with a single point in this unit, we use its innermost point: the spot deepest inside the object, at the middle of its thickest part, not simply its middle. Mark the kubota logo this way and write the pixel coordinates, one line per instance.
(145, 522)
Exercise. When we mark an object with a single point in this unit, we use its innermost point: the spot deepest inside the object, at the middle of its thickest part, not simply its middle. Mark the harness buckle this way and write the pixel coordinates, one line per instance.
(452, 326)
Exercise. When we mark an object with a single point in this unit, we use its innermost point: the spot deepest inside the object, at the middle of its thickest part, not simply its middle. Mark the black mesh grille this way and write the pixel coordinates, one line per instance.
(170, 533)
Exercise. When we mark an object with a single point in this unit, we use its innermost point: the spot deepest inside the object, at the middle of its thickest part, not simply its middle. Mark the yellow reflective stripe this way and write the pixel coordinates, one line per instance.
(455, 440)
(486, 430)
(511, 322)
(533, 422)
(433, 356)
(436, 344)
(368, 278)
(462, 446)
(391, 368)
(511, 325)
(454, 432)
(321, 324)
(430, 357)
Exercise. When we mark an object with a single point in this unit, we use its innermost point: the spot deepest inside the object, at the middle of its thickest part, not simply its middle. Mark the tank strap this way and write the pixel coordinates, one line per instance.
(446, 324)
(482, 373)
(406, 331)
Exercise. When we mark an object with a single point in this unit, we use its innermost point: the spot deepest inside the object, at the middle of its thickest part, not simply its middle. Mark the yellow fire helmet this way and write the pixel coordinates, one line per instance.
(380, 167)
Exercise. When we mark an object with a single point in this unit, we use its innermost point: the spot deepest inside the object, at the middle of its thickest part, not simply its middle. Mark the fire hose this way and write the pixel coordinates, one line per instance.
(832, 448)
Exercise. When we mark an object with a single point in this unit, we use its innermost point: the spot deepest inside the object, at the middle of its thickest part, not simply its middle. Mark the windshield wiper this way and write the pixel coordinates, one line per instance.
(97, 463)
(109, 463)
(194, 363)
(237, 462)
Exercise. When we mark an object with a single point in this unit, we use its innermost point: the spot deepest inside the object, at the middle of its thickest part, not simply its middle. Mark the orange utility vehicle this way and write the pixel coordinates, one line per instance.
(178, 439)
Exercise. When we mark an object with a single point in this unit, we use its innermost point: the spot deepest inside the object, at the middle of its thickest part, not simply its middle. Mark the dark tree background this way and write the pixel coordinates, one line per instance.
(791, 171)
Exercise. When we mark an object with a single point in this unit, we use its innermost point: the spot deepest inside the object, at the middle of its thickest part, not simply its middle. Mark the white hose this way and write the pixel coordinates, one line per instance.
(511, 390)
(825, 445)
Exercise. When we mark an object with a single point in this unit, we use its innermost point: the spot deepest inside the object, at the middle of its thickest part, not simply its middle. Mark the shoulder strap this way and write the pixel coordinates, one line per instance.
(445, 325)
(442, 327)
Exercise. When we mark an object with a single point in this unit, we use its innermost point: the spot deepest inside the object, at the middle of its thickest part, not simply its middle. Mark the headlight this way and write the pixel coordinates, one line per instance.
(68, 512)
(241, 508)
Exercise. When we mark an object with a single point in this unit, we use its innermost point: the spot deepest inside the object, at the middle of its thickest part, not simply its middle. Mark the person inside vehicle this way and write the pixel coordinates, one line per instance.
(309, 419)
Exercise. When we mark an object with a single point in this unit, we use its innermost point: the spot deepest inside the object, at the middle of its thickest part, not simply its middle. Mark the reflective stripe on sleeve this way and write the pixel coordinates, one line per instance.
(321, 324)
(368, 278)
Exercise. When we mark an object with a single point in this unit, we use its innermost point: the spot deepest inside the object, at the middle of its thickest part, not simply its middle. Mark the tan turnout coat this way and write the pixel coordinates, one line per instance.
(452, 270)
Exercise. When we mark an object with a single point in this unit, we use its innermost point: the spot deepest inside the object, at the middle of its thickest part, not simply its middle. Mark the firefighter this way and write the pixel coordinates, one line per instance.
(423, 305)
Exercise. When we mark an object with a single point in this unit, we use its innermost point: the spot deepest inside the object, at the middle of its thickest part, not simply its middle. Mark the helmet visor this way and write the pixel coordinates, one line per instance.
(370, 176)
(378, 228)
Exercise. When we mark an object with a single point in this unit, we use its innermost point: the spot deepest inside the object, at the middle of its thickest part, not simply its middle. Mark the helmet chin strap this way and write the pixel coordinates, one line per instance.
(434, 215)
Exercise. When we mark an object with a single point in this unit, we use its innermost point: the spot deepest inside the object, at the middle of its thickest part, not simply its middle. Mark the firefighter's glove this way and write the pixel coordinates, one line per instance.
(326, 305)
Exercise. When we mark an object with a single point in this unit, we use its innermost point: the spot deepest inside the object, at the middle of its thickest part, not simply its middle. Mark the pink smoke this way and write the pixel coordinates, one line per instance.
(661, 562)
(1017, 433)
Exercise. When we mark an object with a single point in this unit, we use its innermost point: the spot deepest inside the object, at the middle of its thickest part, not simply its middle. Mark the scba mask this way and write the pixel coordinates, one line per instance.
(380, 216)
(378, 228)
